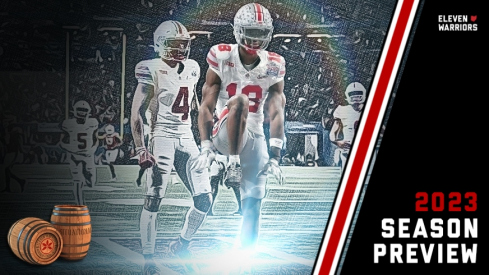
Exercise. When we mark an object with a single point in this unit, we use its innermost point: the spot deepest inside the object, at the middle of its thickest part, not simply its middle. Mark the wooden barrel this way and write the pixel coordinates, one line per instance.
(35, 241)
(73, 223)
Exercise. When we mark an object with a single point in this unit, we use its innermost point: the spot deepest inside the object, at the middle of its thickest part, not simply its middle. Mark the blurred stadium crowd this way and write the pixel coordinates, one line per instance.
(54, 53)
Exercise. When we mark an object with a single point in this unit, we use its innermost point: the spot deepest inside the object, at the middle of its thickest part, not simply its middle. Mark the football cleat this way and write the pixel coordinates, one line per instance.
(179, 248)
(150, 268)
(233, 175)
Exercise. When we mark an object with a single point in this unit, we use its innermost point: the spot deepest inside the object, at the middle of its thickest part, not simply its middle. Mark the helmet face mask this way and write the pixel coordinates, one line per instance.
(254, 38)
(356, 97)
(172, 41)
(81, 112)
(253, 27)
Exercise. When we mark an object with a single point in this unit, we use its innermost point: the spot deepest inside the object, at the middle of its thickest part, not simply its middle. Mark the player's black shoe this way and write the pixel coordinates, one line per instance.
(233, 175)
(150, 268)
(179, 248)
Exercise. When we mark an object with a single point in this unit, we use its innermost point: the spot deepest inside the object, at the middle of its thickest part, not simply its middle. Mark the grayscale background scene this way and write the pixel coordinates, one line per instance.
(54, 53)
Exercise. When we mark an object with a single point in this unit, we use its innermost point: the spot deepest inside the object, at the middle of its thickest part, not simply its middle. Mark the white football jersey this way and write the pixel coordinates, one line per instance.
(235, 79)
(80, 135)
(349, 118)
(169, 110)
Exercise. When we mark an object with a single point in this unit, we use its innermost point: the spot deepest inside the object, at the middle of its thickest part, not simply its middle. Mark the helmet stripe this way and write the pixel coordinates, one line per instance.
(259, 13)
(178, 29)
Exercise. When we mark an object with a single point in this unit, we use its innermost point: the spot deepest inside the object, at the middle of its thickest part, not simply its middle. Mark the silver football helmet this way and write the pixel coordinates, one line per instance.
(253, 27)
(355, 93)
(109, 129)
(172, 41)
(81, 109)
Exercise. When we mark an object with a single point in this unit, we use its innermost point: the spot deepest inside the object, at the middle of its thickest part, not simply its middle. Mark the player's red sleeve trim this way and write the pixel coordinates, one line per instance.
(212, 63)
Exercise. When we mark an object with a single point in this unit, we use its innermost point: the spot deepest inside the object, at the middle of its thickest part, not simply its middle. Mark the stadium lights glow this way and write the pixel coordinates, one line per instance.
(324, 35)
(286, 35)
(200, 32)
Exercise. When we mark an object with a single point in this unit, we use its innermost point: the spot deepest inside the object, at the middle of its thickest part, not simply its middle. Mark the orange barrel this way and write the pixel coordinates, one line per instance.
(35, 241)
(73, 223)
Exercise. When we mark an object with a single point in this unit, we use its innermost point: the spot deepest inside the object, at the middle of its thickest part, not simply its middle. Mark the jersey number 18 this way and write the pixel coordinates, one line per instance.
(254, 93)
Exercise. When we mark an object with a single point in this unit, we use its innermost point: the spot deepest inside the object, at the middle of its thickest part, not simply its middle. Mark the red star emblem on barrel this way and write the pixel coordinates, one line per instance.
(47, 246)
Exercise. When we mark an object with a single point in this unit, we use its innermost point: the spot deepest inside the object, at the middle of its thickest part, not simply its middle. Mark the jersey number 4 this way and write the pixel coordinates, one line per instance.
(180, 106)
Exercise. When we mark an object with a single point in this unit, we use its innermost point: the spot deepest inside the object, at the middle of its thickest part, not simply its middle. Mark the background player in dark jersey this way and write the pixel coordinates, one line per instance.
(112, 142)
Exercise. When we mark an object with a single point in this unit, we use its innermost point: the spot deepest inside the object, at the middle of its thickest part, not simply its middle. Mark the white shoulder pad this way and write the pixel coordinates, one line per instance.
(192, 64)
(223, 51)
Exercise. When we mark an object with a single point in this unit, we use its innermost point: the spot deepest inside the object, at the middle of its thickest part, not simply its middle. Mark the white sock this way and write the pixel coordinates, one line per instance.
(193, 221)
(147, 226)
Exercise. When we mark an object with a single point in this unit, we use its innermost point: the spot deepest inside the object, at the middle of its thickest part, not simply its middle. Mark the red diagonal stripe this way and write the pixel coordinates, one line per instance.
(365, 138)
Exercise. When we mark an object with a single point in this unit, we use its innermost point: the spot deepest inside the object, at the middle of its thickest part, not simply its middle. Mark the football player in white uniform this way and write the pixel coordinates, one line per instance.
(346, 120)
(81, 143)
(242, 81)
(112, 141)
(166, 87)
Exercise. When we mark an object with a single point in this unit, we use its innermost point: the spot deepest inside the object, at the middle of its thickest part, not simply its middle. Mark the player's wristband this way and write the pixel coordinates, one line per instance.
(276, 142)
(206, 145)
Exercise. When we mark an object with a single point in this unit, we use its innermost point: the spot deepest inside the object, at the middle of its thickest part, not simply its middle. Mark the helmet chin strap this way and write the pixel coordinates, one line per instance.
(251, 51)
(169, 57)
